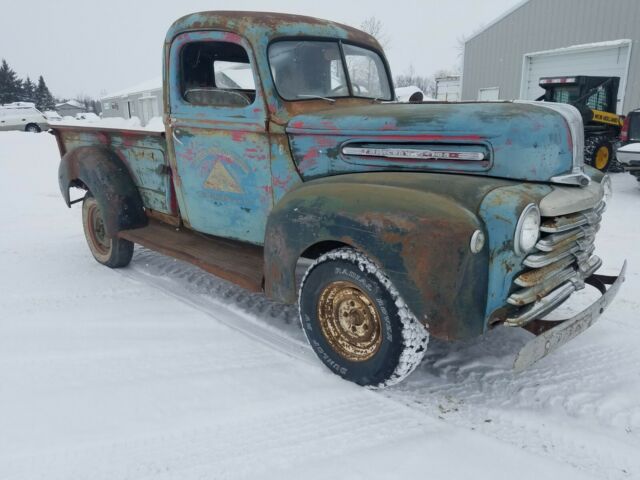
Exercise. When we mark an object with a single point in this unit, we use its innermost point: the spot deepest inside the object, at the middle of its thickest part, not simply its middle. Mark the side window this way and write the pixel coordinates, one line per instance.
(599, 100)
(217, 74)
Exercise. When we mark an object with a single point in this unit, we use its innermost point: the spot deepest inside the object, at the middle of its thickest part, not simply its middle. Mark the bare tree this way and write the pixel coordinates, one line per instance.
(410, 79)
(374, 27)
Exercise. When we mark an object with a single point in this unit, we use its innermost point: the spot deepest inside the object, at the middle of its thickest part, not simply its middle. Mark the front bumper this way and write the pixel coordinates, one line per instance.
(552, 334)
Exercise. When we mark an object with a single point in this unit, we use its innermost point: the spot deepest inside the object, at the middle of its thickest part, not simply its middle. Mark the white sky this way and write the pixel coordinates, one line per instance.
(89, 47)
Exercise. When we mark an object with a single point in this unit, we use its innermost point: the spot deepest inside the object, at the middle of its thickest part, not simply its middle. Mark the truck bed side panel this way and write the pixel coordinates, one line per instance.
(144, 154)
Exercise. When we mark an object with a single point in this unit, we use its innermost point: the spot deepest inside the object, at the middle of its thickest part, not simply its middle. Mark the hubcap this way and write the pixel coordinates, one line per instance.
(98, 233)
(602, 158)
(350, 322)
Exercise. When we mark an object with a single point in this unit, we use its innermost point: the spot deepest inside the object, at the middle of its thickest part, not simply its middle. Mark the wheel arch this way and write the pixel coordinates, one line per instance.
(418, 238)
(99, 170)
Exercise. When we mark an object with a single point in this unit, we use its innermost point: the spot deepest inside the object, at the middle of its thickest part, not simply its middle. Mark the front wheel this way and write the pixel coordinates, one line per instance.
(113, 252)
(32, 128)
(356, 322)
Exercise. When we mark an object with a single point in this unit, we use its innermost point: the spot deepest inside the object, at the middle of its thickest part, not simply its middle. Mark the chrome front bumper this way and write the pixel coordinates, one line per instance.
(552, 334)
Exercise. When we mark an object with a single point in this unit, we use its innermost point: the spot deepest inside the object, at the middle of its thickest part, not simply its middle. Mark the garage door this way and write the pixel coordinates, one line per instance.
(606, 59)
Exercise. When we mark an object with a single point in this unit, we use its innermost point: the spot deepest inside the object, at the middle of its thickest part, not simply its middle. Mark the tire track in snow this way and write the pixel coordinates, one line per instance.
(553, 409)
(464, 384)
(346, 426)
(211, 295)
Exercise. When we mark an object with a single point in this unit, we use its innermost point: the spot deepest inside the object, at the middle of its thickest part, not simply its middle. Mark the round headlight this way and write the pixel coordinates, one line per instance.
(477, 242)
(527, 230)
(607, 188)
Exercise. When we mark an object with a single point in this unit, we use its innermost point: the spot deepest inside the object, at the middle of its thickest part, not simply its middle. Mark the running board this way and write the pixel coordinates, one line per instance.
(234, 261)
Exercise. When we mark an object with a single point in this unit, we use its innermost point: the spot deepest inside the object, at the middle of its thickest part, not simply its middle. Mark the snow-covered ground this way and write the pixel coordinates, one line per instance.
(162, 371)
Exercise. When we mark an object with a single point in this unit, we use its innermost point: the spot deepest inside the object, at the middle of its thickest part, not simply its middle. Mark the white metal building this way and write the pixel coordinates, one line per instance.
(143, 101)
(448, 88)
(546, 38)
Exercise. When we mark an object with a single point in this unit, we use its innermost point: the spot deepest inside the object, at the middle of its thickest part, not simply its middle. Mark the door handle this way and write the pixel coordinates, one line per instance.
(173, 133)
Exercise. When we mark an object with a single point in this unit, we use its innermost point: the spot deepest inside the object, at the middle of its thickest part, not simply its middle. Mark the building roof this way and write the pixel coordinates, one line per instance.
(498, 19)
(143, 87)
(71, 103)
(449, 77)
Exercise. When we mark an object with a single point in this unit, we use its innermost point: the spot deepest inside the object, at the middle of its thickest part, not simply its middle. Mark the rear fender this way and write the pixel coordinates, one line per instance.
(420, 239)
(100, 171)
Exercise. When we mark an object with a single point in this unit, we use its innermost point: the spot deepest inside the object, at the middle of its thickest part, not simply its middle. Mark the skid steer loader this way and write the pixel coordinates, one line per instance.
(596, 98)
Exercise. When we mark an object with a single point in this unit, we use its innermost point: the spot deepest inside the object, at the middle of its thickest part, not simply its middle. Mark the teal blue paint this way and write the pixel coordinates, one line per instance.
(500, 211)
(284, 174)
(144, 156)
(523, 142)
(222, 155)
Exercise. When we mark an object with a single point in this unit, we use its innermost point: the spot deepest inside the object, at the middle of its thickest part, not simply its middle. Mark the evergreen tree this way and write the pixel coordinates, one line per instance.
(10, 84)
(28, 91)
(43, 98)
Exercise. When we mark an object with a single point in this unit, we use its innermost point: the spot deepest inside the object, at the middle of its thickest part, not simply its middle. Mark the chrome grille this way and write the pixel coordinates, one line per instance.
(562, 259)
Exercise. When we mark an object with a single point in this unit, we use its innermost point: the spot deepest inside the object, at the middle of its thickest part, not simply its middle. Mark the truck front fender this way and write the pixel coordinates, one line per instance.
(419, 238)
(99, 170)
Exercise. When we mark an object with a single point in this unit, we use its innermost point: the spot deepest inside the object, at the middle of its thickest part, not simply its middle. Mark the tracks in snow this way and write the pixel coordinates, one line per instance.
(468, 384)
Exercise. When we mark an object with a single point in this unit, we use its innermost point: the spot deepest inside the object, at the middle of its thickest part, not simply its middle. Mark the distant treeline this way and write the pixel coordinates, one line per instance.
(14, 89)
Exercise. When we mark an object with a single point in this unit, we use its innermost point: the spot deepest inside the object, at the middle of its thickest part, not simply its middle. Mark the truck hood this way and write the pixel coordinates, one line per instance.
(517, 141)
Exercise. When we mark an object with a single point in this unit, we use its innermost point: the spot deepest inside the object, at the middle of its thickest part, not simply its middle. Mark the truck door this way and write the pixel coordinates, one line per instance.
(221, 158)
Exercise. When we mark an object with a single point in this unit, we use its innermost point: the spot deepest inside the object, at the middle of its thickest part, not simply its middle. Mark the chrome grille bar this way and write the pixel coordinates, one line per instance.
(568, 222)
(547, 303)
(562, 260)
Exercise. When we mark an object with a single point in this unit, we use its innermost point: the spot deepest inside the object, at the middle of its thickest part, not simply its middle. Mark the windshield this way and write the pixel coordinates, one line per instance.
(304, 69)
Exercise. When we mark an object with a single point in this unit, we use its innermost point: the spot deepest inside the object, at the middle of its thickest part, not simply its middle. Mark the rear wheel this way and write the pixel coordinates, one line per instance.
(356, 322)
(113, 252)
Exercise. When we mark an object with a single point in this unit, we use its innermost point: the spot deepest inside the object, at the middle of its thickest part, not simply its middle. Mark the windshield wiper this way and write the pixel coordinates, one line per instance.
(301, 95)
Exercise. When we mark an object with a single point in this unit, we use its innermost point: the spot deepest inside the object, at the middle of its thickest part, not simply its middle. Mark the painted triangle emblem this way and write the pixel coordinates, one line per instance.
(220, 179)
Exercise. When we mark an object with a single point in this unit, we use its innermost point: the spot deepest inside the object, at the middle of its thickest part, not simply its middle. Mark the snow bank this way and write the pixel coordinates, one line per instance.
(154, 125)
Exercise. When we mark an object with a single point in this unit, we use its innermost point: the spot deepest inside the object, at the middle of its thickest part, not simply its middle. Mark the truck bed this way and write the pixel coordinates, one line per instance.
(142, 151)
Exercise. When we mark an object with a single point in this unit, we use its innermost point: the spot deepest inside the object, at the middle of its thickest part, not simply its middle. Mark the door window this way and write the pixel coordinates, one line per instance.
(217, 74)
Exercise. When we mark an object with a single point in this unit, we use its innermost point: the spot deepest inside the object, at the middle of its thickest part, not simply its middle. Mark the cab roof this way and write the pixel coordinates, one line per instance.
(263, 27)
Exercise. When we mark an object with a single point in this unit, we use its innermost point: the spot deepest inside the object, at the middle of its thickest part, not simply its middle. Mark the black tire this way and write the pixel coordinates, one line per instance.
(32, 128)
(394, 342)
(113, 252)
(599, 153)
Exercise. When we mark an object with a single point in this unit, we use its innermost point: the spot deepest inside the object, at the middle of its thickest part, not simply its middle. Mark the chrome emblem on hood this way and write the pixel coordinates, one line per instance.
(413, 153)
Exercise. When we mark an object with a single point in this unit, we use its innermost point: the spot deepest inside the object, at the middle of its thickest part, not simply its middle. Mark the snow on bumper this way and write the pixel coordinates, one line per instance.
(553, 334)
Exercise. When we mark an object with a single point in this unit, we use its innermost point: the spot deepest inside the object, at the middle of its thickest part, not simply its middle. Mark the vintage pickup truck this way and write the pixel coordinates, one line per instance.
(284, 146)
